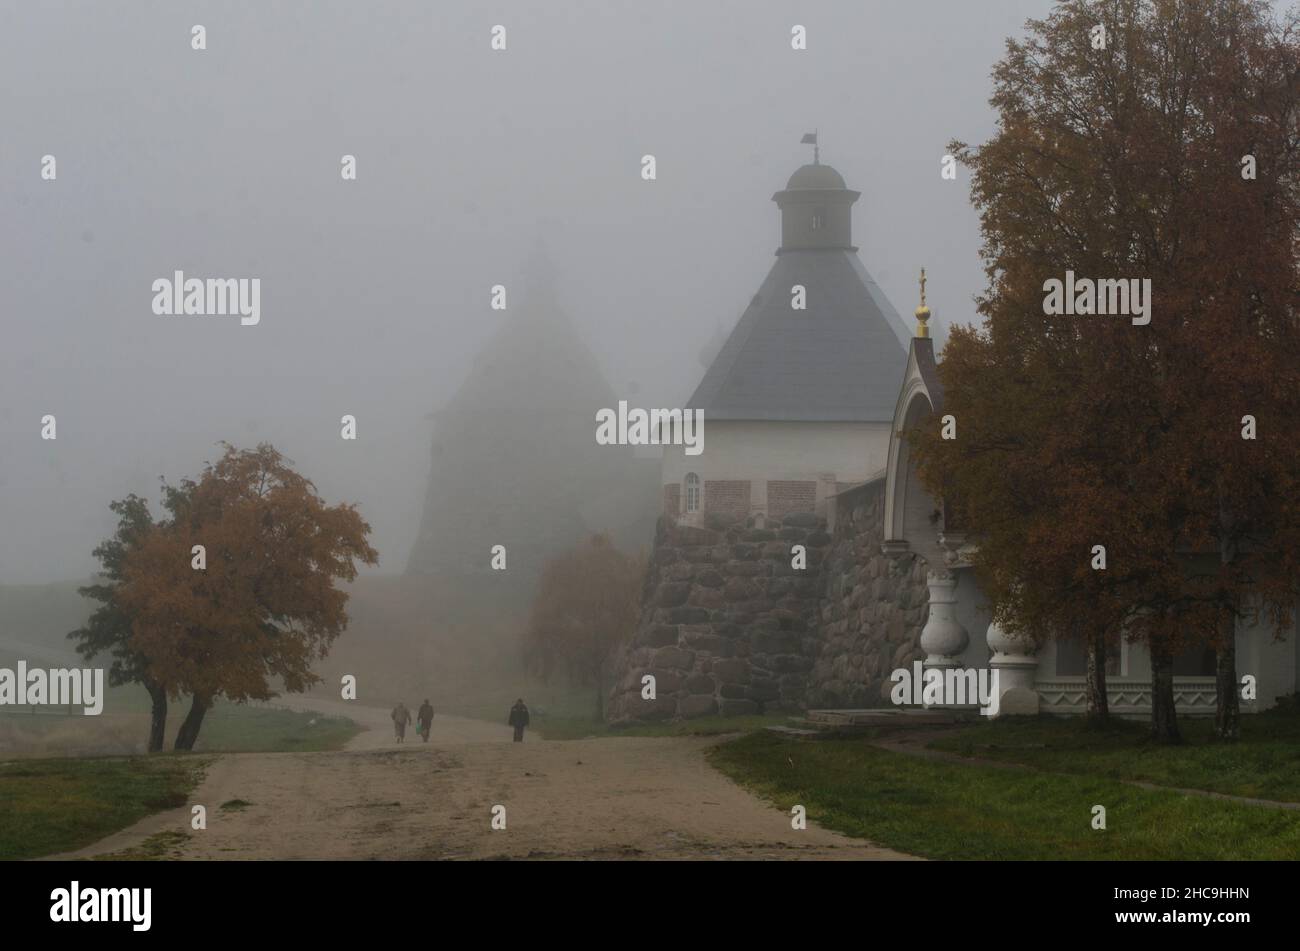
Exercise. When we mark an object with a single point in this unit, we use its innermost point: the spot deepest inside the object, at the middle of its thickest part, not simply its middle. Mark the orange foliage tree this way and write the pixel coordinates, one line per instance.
(264, 607)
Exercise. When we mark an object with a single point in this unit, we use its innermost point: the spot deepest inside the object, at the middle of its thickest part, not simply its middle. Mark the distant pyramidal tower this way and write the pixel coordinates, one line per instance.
(515, 460)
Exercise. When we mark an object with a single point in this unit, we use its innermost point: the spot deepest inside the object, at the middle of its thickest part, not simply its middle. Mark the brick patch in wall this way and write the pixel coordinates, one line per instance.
(784, 497)
(729, 496)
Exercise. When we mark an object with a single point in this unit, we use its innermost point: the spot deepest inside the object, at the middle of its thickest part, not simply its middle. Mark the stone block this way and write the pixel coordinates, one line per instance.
(673, 593)
(688, 615)
(666, 680)
(774, 642)
(706, 598)
(686, 536)
(710, 578)
(701, 684)
(674, 657)
(660, 708)
(657, 635)
(730, 670)
(697, 706)
(737, 708)
(738, 589)
(711, 643)
(788, 663)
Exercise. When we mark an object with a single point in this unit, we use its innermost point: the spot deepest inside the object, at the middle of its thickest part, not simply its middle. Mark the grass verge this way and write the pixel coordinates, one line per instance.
(58, 805)
(1263, 764)
(580, 728)
(954, 811)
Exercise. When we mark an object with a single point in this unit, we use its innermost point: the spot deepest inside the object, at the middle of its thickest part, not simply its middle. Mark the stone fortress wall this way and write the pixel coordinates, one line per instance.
(730, 626)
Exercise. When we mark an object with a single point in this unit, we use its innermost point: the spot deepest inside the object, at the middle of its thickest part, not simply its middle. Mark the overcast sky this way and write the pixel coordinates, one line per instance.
(375, 293)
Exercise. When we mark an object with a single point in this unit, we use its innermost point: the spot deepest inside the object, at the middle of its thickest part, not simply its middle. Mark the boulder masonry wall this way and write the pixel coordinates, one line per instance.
(730, 626)
(872, 610)
(727, 622)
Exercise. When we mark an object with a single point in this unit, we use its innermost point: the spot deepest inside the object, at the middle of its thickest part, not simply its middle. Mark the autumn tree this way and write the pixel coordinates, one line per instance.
(587, 603)
(234, 595)
(108, 630)
(1153, 141)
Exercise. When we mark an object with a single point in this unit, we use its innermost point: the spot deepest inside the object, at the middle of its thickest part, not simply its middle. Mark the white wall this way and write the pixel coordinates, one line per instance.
(759, 451)
(1271, 662)
(1275, 664)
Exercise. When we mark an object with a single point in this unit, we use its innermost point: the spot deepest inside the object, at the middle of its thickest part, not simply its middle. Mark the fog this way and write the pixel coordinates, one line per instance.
(375, 292)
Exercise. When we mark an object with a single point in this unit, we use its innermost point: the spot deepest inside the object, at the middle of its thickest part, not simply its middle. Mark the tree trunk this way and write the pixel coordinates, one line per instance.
(1164, 718)
(157, 716)
(1226, 708)
(1227, 711)
(600, 693)
(1098, 706)
(189, 731)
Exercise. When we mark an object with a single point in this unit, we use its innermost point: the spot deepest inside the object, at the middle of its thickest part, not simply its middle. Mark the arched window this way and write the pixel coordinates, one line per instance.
(692, 492)
(819, 219)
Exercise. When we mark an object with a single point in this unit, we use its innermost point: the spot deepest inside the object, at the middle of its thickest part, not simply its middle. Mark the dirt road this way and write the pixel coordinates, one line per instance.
(621, 797)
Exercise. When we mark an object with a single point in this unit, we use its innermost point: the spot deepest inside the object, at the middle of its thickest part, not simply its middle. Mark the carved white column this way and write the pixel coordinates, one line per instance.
(1017, 666)
(943, 638)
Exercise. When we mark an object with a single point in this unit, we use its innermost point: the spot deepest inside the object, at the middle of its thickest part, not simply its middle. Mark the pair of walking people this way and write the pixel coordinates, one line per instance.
(402, 716)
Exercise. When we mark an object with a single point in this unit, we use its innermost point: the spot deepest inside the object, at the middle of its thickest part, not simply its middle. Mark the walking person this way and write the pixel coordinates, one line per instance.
(401, 716)
(518, 719)
(425, 718)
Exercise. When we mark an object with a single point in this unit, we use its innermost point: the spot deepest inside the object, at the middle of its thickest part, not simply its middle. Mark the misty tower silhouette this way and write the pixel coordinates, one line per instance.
(514, 457)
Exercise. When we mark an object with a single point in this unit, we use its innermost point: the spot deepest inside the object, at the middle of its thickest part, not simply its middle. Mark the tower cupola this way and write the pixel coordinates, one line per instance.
(816, 210)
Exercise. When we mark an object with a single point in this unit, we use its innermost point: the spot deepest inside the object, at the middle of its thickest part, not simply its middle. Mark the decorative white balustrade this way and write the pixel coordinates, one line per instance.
(1192, 695)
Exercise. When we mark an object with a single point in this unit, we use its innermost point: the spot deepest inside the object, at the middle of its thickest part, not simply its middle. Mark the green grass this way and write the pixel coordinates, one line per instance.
(57, 805)
(236, 729)
(954, 811)
(228, 728)
(579, 728)
(1264, 763)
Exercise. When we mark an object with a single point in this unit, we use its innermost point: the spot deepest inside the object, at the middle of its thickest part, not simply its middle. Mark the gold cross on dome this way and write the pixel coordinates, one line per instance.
(922, 312)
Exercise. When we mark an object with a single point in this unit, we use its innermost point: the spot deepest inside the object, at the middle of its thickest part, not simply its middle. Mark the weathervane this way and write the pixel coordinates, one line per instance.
(810, 138)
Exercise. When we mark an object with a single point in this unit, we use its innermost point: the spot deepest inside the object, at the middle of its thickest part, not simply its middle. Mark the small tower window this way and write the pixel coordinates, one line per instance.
(692, 492)
(817, 221)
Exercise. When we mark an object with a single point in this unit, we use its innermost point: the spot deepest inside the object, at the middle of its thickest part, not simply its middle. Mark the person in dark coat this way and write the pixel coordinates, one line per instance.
(425, 717)
(518, 719)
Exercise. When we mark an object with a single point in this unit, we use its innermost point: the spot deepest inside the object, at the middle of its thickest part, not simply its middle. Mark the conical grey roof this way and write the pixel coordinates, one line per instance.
(841, 359)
